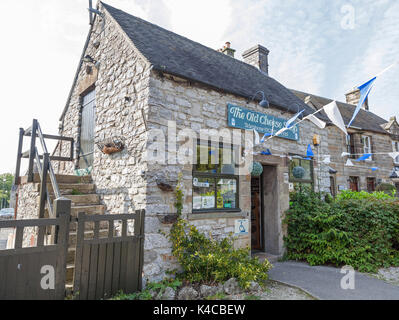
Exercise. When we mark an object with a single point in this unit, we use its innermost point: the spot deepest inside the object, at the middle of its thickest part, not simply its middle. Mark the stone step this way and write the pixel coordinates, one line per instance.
(69, 273)
(71, 255)
(85, 199)
(74, 188)
(89, 226)
(88, 209)
(61, 179)
(88, 235)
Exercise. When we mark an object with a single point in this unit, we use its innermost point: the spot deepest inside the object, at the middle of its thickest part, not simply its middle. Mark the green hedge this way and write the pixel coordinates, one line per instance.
(357, 229)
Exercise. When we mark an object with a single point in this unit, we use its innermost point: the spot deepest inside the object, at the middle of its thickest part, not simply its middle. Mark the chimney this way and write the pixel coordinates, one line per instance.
(227, 50)
(353, 97)
(258, 57)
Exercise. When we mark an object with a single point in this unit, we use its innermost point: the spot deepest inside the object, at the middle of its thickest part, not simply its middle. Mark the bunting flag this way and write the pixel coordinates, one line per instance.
(364, 157)
(290, 123)
(394, 155)
(327, 160)
(266, 153)
(257, 137)
(280, 131)
(375, 169)
(349, 163)
(365, 90)
(309, 152)
(264, 137)
(316, 121)
(333, 113)
(345, 154)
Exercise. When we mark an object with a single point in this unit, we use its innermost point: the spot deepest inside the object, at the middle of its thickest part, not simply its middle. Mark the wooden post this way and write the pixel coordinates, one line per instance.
(43, 185)
(62, 209)
(19, 156)
(32, 151)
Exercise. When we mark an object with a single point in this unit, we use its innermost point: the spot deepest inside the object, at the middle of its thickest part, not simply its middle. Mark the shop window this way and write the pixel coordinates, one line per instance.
(215, 178)
(308, 178)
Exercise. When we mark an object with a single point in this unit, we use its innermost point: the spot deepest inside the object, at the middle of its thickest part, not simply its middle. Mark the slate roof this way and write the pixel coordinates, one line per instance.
(176, 55)
(365, 120)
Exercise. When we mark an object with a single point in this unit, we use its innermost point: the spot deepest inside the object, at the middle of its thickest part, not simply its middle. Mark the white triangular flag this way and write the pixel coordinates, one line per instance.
(349, 163)
(327, 160)
(257, 137)
(281, 131)
(335, 116)
(394, 155)
(345, 154)
(316, 121)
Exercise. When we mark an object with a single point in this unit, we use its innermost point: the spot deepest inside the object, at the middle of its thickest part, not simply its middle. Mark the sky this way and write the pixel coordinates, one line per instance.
(319, 46)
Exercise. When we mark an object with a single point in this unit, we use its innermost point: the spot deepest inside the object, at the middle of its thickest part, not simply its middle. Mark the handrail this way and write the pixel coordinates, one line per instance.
(56, 189)
(45, 169)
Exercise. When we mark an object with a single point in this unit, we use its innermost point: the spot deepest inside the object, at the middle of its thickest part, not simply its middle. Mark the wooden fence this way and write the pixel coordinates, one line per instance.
(112, 263)
(36, 273)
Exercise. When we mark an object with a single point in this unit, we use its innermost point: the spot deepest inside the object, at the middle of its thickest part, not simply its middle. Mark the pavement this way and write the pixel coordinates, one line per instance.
(324, 283)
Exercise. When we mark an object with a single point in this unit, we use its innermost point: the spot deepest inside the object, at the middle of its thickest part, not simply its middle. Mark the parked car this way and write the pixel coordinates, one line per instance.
(7, 214)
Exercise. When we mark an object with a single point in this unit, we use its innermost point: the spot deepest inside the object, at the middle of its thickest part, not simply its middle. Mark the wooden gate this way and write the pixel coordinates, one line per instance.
(110, 263)
(36, 273)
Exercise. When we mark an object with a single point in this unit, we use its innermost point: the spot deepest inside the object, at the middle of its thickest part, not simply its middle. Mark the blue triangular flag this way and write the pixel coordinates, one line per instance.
(364, 93)
(290, 123)
(309, 152)
(264, 137)
(364, 157)
(375, 169)
(266, 153)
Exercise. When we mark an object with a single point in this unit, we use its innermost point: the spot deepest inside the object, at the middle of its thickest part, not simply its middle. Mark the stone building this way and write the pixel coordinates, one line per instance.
(369, 133)
(166, 98)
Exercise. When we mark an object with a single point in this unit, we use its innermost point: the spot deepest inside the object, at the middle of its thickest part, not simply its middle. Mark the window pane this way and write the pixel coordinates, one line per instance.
(227, 194)
(207, 159)
(203, 194)
(227, 160)
(306, 164)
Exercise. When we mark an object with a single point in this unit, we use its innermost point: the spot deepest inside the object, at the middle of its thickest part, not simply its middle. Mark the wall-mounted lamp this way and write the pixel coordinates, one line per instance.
(264, 103)
(316, 140)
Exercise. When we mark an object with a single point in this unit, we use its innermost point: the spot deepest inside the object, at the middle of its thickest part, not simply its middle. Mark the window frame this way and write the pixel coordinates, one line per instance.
(302, 181)
(215, 177)
(395, 148)
(368, 146)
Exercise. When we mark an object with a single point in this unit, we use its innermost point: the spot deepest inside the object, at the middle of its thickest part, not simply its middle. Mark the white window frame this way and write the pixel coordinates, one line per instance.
(395, 148)
(367, 146)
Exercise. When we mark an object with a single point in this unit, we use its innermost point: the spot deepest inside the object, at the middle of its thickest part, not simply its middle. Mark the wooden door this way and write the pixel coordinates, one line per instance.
(86, 156)
(256, 211)
(354, 184)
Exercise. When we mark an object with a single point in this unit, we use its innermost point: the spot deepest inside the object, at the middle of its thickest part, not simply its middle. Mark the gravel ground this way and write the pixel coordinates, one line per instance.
(275, 291)
(390, 275)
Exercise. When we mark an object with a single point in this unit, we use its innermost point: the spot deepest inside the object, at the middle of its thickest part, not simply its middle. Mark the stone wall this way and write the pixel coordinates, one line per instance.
(381, 143)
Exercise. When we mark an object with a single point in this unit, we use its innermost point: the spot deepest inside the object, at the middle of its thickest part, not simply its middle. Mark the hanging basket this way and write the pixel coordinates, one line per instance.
(298, 172)
(111, 146)
(256, 169)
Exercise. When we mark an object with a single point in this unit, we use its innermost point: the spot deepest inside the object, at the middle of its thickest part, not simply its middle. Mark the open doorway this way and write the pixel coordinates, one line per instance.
(265, 215)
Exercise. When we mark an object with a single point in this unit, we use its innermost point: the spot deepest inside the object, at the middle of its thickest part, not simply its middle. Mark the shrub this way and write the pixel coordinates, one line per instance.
(209, 261)
(357, 229)
(387, 188)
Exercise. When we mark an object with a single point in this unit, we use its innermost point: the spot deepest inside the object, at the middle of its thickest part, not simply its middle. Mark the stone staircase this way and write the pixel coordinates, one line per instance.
(81, 191)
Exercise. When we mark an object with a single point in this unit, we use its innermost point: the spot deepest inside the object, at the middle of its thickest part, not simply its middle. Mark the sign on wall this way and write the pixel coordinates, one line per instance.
(242, 227)
(246, 119)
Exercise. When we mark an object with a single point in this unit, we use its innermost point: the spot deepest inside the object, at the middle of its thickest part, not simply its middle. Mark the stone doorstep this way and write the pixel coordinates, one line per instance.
(86, 199)
(67, 189)
(61, 179)
(88, 235)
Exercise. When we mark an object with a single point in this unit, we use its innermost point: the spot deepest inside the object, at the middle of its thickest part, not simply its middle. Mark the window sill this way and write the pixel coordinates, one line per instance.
(217, 215)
